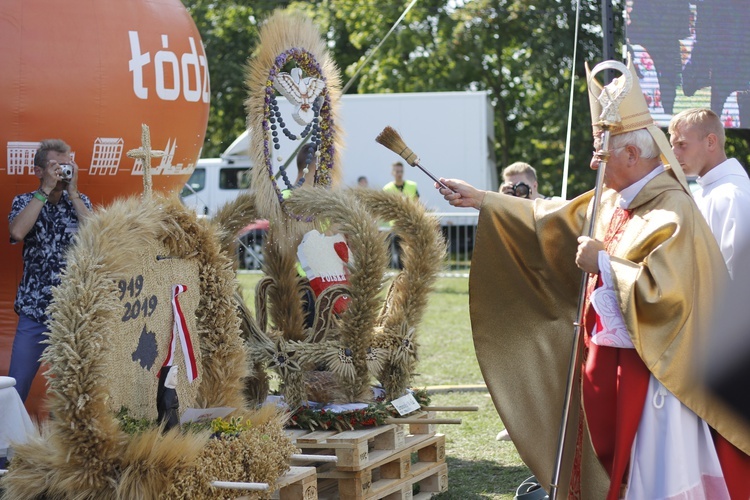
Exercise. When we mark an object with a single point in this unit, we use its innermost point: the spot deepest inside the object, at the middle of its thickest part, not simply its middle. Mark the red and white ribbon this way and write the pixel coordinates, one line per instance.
(180, 327)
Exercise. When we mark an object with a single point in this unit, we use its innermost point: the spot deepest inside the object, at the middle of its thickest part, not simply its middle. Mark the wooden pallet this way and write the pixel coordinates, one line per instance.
(379, 462)
(391, 474)
(299, 483)
(428, 482)
(354, 450)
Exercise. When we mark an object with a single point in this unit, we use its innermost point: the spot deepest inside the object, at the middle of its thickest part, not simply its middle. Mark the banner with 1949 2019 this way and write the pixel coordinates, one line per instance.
(156, 327)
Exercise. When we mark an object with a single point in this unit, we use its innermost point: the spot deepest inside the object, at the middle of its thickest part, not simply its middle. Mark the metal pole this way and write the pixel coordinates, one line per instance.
(578, 325)
(608, 37)
(610, 99)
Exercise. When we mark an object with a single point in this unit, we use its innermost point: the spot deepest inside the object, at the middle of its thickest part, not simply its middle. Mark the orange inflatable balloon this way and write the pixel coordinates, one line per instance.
(91, 73)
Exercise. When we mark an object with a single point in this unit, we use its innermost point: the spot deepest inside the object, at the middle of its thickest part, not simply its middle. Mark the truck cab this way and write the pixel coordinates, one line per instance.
(216, 181)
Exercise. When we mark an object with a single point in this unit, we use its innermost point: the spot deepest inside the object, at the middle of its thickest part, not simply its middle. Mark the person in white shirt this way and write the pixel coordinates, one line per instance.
(697, 138)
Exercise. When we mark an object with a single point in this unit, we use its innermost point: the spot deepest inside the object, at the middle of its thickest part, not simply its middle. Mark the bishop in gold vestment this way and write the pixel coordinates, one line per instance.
(523, 298)
(667, 272)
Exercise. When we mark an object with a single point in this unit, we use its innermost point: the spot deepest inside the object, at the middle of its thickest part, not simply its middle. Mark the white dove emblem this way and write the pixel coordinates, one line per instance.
(301, 92)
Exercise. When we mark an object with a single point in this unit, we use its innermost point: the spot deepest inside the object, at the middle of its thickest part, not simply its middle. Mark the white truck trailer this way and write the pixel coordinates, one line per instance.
(452, 132)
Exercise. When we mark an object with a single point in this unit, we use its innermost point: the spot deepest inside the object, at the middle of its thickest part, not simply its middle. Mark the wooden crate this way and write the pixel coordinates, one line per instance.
(354, 450)
(299, 483)
(378, 462)
(392, 474)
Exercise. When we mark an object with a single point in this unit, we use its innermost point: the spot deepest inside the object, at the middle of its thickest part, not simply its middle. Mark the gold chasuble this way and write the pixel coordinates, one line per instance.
(523, 289)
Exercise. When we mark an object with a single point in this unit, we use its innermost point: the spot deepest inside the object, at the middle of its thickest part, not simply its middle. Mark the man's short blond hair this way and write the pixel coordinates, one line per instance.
(704, 119)
(47, 145)
(520, 168)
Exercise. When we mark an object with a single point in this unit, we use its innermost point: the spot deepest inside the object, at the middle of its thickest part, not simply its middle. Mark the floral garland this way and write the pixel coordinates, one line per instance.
(376, 413)
(309, 65)
(219, 427)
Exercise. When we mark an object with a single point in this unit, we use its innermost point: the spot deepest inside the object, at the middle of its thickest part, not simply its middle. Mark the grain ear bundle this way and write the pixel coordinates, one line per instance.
(392, 140)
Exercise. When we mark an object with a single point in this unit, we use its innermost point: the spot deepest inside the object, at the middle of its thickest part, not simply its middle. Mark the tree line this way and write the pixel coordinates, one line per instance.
(520, 51)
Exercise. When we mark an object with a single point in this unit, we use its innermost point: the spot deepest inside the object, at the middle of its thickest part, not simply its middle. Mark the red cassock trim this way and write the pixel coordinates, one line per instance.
(615, 384)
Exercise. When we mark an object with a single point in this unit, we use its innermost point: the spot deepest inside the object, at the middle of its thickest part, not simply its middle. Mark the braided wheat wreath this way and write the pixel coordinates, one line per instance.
(111, 321)
(372, 338)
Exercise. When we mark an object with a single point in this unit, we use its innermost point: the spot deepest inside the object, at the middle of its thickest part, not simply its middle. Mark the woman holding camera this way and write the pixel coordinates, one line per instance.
(45, 220)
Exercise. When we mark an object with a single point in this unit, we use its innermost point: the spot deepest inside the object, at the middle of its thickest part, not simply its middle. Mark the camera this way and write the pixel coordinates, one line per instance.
(521, 190)
(66, 171)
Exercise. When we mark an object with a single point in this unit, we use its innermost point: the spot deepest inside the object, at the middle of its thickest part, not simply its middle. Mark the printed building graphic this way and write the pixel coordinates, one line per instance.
(105, 159)
(164, 167)
(20, 159)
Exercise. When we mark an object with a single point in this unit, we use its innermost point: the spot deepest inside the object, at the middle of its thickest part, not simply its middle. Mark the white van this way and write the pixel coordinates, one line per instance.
(215, 181)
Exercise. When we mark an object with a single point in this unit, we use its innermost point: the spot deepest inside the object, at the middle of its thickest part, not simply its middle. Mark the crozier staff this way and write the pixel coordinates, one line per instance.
(655, 271)
(45, 220)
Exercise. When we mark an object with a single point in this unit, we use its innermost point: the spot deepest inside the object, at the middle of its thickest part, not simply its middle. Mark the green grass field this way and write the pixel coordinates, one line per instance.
(478, 465)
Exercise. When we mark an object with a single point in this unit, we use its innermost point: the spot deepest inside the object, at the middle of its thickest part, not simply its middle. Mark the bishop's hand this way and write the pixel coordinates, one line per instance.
(587, 256)
(461, 194)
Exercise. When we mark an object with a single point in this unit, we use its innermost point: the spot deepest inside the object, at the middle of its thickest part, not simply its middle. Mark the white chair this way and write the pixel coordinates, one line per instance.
(15, 424)
(6, 382)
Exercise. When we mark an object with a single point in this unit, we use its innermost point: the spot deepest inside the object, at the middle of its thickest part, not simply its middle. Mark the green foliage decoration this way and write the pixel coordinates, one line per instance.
(219, 427)
(374, 414)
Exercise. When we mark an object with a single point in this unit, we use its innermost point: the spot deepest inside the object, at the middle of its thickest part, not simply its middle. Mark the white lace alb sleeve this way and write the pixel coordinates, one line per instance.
(610, 329)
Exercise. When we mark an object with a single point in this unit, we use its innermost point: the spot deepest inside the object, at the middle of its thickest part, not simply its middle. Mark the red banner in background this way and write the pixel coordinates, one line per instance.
(692, 54)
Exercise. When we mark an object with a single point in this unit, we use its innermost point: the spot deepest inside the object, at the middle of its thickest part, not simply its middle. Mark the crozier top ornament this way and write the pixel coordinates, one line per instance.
(611, 95)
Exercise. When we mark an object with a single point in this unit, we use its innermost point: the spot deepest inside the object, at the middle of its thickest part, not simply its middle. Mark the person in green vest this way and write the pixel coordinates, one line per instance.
(407, 188)
(399, 184)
